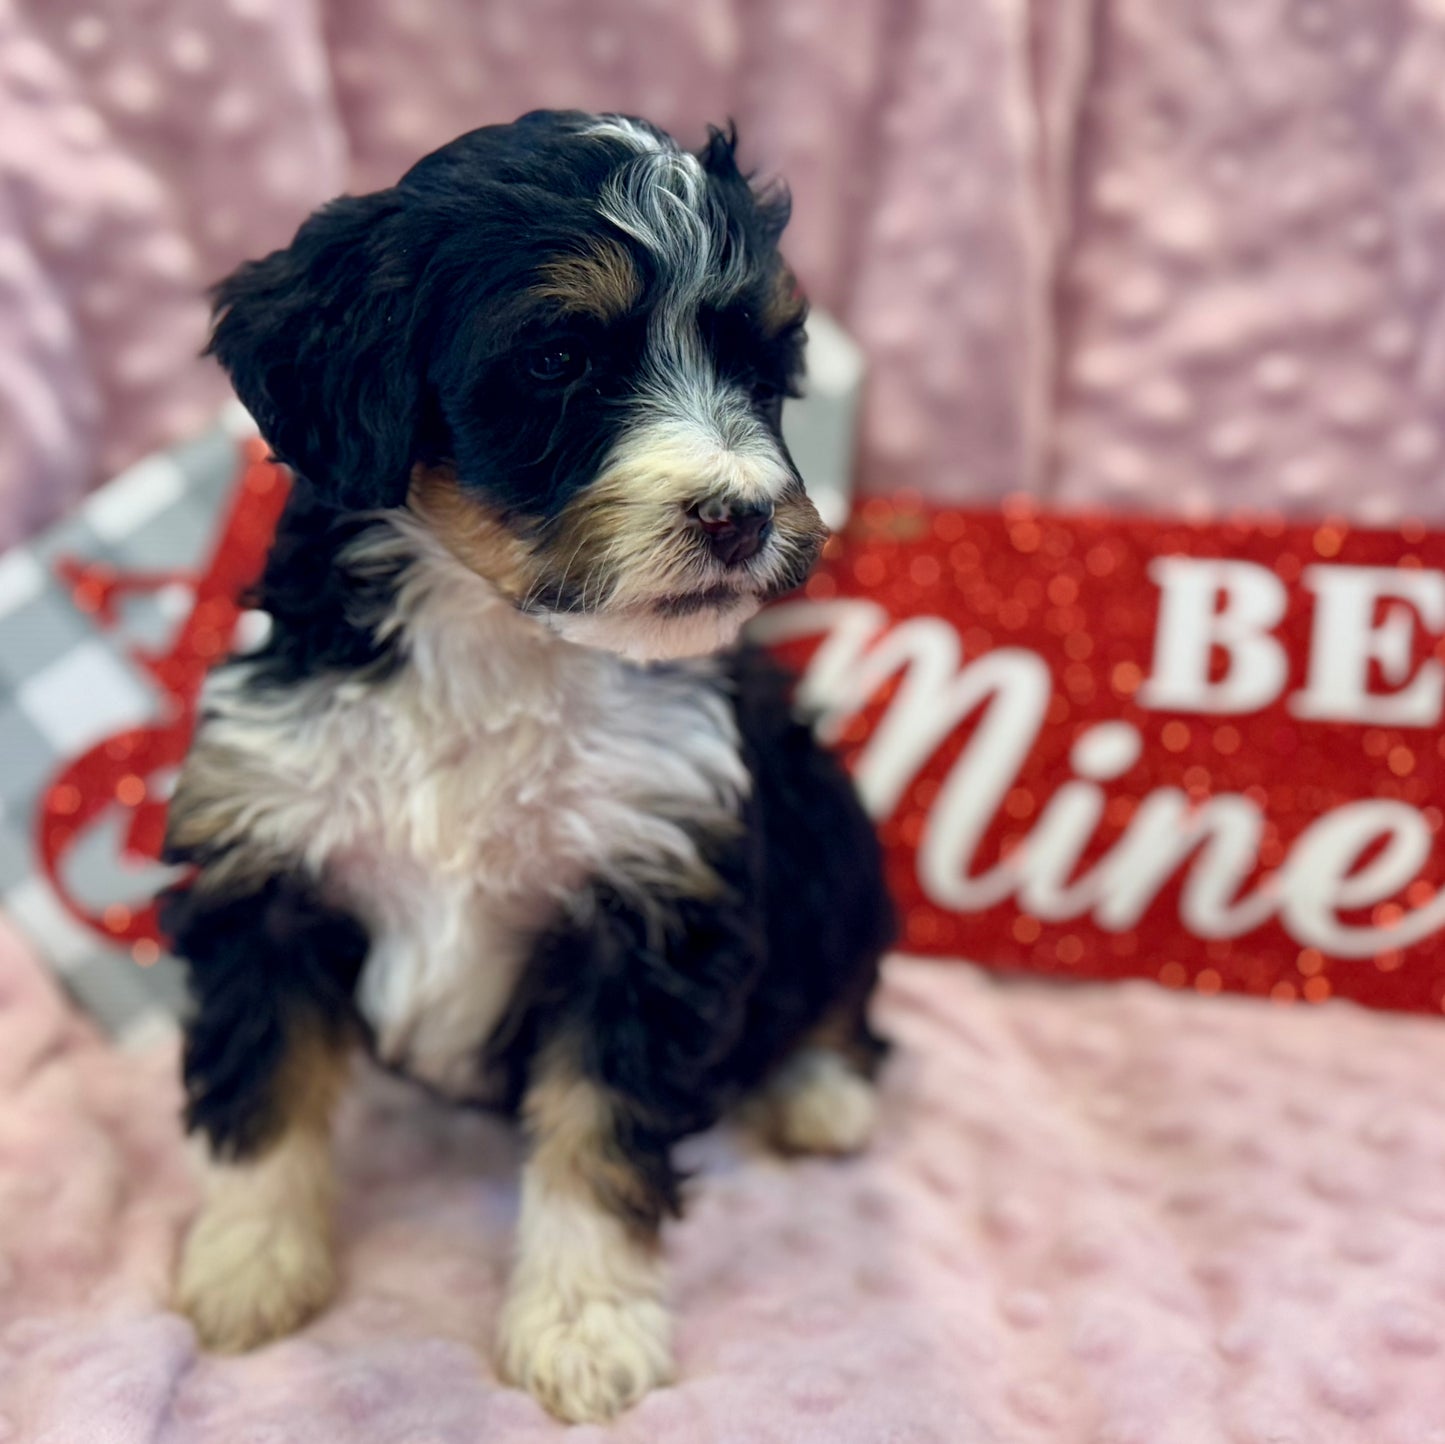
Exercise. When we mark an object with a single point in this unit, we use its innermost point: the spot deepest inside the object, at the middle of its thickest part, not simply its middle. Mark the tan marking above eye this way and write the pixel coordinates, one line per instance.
(600, 281)
(786, 305)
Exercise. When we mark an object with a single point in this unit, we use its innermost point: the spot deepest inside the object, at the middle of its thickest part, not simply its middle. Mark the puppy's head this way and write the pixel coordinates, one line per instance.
(564, 343)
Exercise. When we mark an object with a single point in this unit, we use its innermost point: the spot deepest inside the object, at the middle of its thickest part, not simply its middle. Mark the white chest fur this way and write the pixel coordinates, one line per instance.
(456, 805)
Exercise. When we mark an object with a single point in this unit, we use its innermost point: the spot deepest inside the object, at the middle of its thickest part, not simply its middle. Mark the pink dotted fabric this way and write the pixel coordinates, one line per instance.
(1144, 254)
(1254, 300)
(1094, 1216)
(144, 151)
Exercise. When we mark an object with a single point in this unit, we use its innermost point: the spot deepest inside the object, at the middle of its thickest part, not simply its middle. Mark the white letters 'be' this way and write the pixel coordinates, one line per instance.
(1209, 606)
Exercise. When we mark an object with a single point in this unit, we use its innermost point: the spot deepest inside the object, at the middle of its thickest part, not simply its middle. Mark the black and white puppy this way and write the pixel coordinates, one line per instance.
(482, 802)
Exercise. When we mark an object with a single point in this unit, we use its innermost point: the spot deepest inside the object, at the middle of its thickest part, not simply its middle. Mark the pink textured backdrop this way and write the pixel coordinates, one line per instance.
(1140, 252)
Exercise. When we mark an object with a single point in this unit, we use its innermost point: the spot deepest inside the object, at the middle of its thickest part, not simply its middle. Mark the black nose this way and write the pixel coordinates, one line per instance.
(735, 530)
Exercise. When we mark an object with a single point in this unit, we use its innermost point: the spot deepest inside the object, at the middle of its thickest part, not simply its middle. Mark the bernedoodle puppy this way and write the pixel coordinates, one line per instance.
(490, 801)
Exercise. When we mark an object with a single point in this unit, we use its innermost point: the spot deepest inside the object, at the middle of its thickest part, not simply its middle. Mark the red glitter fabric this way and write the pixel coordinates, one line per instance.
(1248, 847)
(125, 770)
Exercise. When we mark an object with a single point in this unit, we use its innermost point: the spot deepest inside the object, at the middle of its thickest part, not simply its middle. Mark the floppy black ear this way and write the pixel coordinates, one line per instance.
(318, 341)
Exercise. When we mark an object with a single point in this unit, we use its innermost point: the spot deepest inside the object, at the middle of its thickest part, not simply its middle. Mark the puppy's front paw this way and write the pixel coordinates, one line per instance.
(817, 1103)
(247, 1278)
(584, 1359)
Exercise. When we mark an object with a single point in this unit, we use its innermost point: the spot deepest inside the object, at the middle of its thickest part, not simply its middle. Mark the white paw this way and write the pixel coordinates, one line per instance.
(817, 1103)
(587, 1359)
(248, 1278)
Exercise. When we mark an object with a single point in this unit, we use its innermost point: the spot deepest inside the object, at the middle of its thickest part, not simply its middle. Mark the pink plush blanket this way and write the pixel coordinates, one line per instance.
(1131, 254)
(1100, 1216)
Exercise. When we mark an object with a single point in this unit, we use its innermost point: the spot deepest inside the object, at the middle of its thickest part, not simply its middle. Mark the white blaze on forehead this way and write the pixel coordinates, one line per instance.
(635, 133)
(690, 444)
(660, 199)
(695, 432)
(699, 428)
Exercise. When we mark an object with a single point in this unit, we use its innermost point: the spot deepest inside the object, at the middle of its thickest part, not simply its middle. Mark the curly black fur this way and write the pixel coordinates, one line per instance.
(395, 331)
(264, 968)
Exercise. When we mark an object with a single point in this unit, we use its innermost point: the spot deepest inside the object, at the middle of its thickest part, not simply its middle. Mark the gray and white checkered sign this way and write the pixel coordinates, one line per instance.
(66, 684)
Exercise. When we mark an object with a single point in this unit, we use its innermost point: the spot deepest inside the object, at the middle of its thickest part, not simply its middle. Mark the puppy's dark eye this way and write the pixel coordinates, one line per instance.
(557, 363)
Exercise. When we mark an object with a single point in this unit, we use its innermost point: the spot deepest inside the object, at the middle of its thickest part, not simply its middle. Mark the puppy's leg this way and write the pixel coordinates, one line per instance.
(639, 1006)
(266, 1056)
(823, 1098)
(584, 1328)
(258, 1260)
(818, 1102)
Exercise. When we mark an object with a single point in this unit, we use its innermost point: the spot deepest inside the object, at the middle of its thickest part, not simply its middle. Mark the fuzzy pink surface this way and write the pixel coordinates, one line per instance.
(1137, 254)
(1093, 1216)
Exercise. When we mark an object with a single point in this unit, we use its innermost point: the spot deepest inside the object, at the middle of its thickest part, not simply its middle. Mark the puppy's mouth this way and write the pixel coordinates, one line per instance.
(686, 604)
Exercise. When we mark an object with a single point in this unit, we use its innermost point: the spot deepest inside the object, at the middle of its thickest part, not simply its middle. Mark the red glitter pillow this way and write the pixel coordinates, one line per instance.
(1103, 748)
